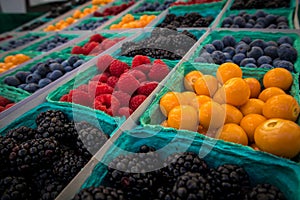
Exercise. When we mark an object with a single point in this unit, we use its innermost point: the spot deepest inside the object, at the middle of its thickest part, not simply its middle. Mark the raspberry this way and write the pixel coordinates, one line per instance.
(139, 60)
(103, 62)
(139, 75)
(159, 61)
(77, 50)
(82, 98)
(112, 81)
(158, 72)
(2, 108)
(9, 105)
(101, 77)
(117, 68)
(107, 43)
(95, 89)
(64, 98)
(97, 50)
(147, 88)
(4, 101)
(107, 103)
(96, 38)
(97, 14)
(123, 97)
(125, 111)
(128, 83)
(145, 68)
(91, 45)
(136, 101)
(83, 87)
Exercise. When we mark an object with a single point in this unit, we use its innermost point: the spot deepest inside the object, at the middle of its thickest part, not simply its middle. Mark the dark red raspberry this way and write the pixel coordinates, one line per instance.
(103, 62)
(97, 88)
(158, 72)
(139, 75)
(136, 101)
(96, 38)
(128, 83)
(101, 77)
(112, 81)
(90, 47)
(159, 61)
(4, 101)
(81, 97)
(123, 97)
(117, 68)
(9, 105)
(64, 98)
(2, 108)
(107, 103)
(145, 68)
(77, 50)
(147, 88)
(139, 60)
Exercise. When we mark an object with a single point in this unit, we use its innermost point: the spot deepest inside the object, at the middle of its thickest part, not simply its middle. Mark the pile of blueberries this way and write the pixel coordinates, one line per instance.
(33, 25)
(43, 73)
(258, 4)
(56, 41)
(155, 6)
(12, 44)
(93, 24)
(260, 19)
(253, 53)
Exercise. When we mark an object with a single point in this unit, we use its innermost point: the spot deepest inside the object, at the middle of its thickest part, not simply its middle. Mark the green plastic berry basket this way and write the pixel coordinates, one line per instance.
(34, 46)
(83, 78)
(238, 35)
(4, 44)
(260, 167)
(279, 12)
(292, 4)
(30, 64)
(211, 9)
(72, 112)
(88, 20)
(13, 94)
(68, 50)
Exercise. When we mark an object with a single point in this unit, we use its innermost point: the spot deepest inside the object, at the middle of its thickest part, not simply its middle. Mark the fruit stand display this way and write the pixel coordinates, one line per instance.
(169, 100)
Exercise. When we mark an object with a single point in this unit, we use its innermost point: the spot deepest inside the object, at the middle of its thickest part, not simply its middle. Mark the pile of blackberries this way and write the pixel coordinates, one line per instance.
(39, 163)
(182, 176)
(163, 43)
(258, 4)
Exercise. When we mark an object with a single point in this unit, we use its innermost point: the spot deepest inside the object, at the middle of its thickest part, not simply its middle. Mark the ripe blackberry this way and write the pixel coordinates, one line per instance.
(179, 163)
(33, 154)
(164, 193)
(68, 165)
(90, 139)
(100, 192)
(41, 176)
(49, 114)
(6, 146)
(13, 187)
(266, 192)
(192, 186)
(21, 134)
(230, 182)
(51, 189)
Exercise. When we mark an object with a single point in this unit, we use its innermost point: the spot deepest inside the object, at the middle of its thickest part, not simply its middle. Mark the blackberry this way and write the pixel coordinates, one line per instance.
(51, 189)
(164, 193)
(180, 163)
(6, 146)
(230, 182)
(68, 165)
(33, 154)
(192, 186)
(90, 139)
(41, 176)
(12, 187)
(21, 134)
(48, 115)
(145, 149)
(266, 192)
(100, 192)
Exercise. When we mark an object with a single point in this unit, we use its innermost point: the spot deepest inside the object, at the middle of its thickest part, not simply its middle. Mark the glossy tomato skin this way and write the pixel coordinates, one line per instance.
(279, 137)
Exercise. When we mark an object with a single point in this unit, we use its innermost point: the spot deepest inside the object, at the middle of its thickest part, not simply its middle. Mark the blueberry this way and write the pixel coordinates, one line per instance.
(43, 82)
(59, 60)
(241, 48)
(68, 68)
(246, 39)
(258, 26)
(72, 60)
(42, 69)
(234, 26)
(55, 75)
(229, 50)
(262, 21)
(258, 43)
(237, 58)
(33, 78)
(283, 26)
(209, 48)
(65, 63)
(251, 65)
(56, 66)
(264, 60)
(287, 52)
(255, 52)
(22, 76)
(78, 63)
(285, 64)
(246, 61)
(248, 25)
(266, 66)
(218, 57)
(218, 45)
(228, 40)
(22, 86)
(271, 51)
(12, 81)
(34, 67)
(275, 61)
(270, 18)
(260, 13)
(31, 87)
(271, 43)
(281, 19)
(227, 56)
(240, 21)
(285, 39)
